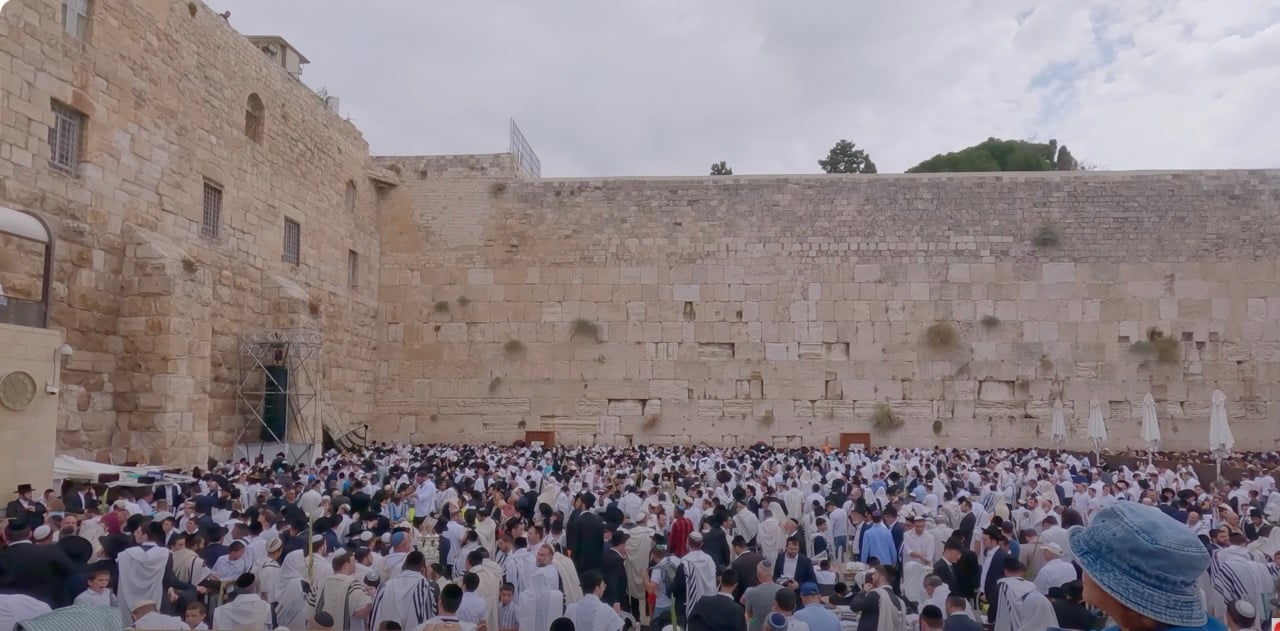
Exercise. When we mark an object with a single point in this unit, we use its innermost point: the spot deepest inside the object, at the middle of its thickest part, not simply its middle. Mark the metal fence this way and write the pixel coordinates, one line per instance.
(526, 159)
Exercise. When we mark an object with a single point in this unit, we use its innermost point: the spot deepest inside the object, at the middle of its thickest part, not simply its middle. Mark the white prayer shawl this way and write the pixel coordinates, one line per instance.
(892, 617)
(407, 599)
(486, 532)
(589, 614)
(913, 573)
(156, 621)
(569, 581)
(267, 572)
(1023, 607)
(335, 592)
(1236, 575)
(771, 538)
(392, 564)
(490, 574)
(247, 611)
(188, 567)
(699, 576)
(637, 561)
(518, 568)
(141, 576)
(291, 610)
(542, 603)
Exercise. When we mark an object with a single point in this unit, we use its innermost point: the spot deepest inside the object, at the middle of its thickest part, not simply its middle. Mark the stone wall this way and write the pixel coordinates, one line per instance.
(154, 310)
(789, 309)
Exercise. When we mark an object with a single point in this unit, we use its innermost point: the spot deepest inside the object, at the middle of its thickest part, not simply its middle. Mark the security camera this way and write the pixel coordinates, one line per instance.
(66, 351)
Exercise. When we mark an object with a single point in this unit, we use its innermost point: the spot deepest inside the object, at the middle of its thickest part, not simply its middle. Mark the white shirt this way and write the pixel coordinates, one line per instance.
(462, 626)
(1055, 573)
(15, 608)
(156, 621)
(472, 608)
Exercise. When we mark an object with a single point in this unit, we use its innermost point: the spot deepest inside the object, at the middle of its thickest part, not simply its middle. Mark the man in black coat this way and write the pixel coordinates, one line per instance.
(23, 509)
(715, 541)
(613, 568)
(745, 561)
(720, 612)
(944, 567)
(41, 572)
(584, 536)
(992, 537)
(803, 567)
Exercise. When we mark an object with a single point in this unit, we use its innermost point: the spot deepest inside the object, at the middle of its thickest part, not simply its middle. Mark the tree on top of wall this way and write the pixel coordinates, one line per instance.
(995, 154)
(720, 168)
(844, 157)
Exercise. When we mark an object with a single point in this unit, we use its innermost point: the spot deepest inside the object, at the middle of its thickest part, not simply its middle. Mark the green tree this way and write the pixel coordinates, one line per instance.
(720, 168)
(995, 154)
(845, 158)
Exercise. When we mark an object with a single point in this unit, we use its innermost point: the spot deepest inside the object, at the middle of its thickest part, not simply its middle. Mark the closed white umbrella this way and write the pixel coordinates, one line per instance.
(1097, 428)
(1058, 430)
(1220, 439)
(1150, 425)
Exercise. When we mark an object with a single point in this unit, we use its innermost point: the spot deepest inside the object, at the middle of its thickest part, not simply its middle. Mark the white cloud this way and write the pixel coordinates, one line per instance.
(647, 88)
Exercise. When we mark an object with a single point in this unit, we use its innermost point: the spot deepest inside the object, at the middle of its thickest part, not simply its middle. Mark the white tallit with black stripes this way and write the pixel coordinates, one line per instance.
(407, 598)
(1235, 575)
(699, 577)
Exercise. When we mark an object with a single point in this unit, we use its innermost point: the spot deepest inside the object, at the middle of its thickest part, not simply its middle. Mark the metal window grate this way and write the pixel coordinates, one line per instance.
(211, 220)
(292, 241)
(353, 269)
(75, 17)
(64, 137)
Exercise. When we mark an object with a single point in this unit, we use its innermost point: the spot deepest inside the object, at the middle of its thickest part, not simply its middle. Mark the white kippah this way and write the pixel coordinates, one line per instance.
(1245, 608)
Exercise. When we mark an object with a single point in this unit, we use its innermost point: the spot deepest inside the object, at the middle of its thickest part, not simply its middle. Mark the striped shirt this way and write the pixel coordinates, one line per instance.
(507, 618)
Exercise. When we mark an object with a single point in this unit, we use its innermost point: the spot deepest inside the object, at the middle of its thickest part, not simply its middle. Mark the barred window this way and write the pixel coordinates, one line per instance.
(292, 241)
(353, 269)
(75, 17)
(64, 137)
(211, 220)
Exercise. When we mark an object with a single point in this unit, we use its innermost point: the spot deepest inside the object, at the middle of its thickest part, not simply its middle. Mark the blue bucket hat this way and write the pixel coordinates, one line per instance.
(1146, 560)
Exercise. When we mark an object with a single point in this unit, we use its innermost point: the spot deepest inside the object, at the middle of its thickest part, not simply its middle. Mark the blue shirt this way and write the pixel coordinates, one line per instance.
(877, 542)
(1211, 625)
(818, 618)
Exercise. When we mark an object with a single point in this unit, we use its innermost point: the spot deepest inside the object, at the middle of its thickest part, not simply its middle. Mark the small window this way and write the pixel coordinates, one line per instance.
(254, 117)
(211, 220)
(353, 269)
(351, 196)
(292, 241)
(75, 18)
(64, 137)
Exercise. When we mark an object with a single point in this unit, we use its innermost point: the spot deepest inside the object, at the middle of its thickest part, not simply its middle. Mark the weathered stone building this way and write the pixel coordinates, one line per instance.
(208, 196)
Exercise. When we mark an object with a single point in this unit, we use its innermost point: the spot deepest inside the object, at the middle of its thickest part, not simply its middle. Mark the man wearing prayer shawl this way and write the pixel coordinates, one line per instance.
(590, 613)
(407, 598)
(291, 608)
(490, 575)
(246, 611)
(486, 529)
(638, 546)
(569, 582)
(145, 572)
(542, 602)
(695, 578)
(771, 537)
(518, 566)
(340, 594)
(1021, 607)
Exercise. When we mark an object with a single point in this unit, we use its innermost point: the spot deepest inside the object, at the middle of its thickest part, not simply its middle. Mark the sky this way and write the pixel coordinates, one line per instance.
(648, 87)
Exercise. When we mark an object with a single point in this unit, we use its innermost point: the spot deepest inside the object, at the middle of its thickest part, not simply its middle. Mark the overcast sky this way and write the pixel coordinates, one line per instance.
(639, 87)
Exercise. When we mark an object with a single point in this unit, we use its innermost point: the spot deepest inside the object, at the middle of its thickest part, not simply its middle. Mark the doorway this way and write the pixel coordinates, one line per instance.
(547, 438)
(854, 438)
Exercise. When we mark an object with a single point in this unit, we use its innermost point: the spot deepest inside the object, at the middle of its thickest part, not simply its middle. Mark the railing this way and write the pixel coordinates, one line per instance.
(526, 160)
(21, 312)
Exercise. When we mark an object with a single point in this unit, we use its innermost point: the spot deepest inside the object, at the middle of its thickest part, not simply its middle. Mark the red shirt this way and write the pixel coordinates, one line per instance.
(681, 528)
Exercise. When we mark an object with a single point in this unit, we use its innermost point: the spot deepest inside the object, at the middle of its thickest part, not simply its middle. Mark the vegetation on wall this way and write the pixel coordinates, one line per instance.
(442, 306)
(941, 336)
(990, 322)
(513, 347)
(720, 168)
(1045, 237)
(884, 419)
(586, 330)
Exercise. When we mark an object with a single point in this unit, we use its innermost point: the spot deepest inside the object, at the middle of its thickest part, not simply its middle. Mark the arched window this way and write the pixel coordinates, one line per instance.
(255, 115)
(351, 196)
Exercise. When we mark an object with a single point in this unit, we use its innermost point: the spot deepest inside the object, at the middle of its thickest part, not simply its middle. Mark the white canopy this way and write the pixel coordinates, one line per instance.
(1150, 424)
(1058, 430)
(69, 468)
(1097, 426)
(1220, 439)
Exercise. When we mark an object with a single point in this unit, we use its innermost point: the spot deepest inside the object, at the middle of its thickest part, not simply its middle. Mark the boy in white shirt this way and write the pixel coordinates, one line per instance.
(98, 592)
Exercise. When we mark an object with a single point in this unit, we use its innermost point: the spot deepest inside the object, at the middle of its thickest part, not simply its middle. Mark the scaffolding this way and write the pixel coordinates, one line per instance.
(264, 356)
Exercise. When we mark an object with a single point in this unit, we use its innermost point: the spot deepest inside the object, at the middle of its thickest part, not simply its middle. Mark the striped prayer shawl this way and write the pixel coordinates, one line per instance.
(408, 598)
(699, 577)
(1235, 576)
(508, 617)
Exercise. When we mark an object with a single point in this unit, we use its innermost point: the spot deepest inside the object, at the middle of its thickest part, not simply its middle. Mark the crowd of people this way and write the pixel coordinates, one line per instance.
(526, 538)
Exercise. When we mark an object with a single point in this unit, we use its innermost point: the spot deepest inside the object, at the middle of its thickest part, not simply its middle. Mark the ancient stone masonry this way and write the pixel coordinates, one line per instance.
(458, 299)
(791, 309)
(153, 301)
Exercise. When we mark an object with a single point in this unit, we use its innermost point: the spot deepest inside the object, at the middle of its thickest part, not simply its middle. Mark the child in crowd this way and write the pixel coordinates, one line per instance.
(195, 617)
(507, 620)
(98, 592)
(826, 578)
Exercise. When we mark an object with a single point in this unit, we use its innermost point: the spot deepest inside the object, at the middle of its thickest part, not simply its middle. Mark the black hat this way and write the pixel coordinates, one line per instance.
(245, 581)
(24, 488)
(619, 538)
